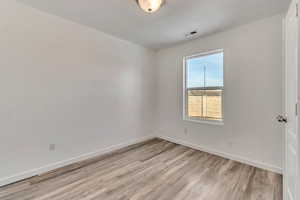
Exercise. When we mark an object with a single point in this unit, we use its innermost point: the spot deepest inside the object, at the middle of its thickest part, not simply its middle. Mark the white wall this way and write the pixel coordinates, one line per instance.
(66, 84)
(253, 94)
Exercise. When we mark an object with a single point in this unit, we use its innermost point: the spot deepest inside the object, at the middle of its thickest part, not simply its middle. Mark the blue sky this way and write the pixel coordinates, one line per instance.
(213, 74)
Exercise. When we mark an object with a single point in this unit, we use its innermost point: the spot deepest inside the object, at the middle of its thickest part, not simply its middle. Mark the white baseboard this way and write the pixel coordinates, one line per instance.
(47, 168)
(225, 155)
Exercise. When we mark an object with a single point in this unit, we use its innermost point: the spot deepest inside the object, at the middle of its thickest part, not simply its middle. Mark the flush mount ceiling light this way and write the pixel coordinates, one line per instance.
(150, 6)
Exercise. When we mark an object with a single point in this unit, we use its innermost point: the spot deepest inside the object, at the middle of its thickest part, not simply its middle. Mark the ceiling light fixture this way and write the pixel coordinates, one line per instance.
(150, 6)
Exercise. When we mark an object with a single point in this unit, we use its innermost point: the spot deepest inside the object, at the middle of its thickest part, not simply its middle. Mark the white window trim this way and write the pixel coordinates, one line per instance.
(201, 120)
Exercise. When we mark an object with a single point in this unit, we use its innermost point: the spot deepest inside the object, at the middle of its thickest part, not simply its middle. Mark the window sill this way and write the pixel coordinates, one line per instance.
(209, 122)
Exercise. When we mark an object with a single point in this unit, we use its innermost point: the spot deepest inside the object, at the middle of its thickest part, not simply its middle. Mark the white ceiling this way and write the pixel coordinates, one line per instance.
(168, 26)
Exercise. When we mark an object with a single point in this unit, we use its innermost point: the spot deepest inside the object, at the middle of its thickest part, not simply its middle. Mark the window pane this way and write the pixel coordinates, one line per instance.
(195, 103)
(195, 74)
(204, 85)
(214, 70)
(213, 104)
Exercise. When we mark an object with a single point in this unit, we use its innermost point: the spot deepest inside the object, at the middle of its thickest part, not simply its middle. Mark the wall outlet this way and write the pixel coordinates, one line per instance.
(52, 147)
(186, 131)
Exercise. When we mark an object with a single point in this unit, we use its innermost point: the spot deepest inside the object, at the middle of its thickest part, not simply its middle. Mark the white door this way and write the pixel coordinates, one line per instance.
(291, 152)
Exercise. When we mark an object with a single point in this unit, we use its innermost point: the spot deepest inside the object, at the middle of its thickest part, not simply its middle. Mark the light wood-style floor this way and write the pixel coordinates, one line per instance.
(153, 170)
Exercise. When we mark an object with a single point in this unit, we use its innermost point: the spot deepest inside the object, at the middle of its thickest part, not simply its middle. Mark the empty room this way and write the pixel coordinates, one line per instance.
(149, 100)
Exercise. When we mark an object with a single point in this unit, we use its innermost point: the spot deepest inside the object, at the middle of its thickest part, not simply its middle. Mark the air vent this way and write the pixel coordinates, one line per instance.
(191, 34)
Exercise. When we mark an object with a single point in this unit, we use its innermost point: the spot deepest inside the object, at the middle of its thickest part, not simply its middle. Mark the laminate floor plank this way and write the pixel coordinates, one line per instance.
(152, 170)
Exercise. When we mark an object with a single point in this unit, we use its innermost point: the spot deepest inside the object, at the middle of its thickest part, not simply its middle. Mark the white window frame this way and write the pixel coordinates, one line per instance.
(185, 114)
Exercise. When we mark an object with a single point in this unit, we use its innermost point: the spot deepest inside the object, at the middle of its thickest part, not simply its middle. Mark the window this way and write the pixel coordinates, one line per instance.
(204, 87)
